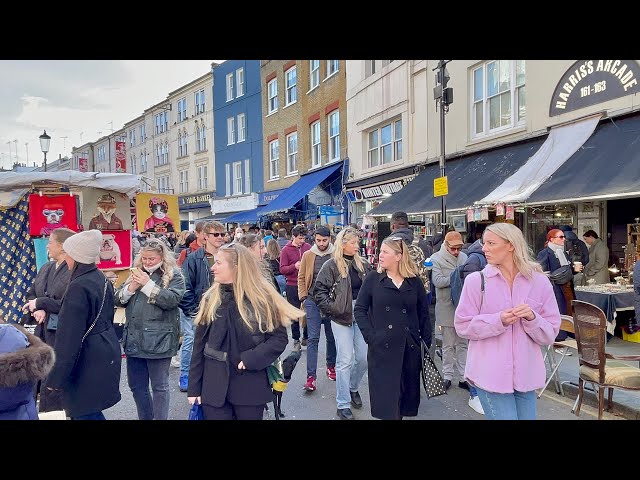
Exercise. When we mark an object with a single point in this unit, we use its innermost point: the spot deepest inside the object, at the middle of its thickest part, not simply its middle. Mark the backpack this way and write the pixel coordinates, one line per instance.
(574, 251)
(417, 255)
(457, 277)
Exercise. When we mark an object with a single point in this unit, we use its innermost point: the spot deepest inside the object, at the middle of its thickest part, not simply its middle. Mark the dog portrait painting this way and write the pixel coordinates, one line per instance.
(115, 250)
(48, 212)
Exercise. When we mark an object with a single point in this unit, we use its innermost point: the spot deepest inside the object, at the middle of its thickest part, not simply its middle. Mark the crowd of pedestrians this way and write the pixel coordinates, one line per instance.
(217, 305)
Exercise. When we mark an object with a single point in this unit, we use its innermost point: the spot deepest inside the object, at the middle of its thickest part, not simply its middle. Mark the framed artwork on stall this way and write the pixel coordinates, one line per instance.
(48, 212)
(459, 222)
(157, 213)
(115, 251)
(105, 210)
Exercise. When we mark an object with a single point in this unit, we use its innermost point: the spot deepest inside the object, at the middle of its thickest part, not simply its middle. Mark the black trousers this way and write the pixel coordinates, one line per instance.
(292, 297)
(233, 412)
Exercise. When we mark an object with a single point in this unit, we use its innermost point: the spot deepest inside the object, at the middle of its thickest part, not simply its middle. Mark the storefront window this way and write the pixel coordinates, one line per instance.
(544, 218)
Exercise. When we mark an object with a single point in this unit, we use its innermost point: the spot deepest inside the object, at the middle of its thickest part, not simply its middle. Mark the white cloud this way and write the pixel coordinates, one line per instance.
(71, 97)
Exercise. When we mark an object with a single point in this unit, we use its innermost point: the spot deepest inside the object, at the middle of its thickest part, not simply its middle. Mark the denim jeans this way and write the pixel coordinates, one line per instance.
(90, 416)
(187, 327)
(282, 282)
(139, 372)
(292, 298)
(351, 361)
(314, 322)
(508, 406)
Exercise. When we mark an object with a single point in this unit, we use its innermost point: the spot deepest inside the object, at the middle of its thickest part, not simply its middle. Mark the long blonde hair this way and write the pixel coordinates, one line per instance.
(523, 258)
(269, 309)
(343, 237)
(406, 266)
(273, 249)
(168, 259)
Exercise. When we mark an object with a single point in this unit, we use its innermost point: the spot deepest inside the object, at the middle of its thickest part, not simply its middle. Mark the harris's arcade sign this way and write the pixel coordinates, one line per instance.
(589, 82)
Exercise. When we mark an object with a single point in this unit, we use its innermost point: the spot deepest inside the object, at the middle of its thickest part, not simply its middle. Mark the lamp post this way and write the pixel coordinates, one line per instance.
(44, 146)
(444, 97)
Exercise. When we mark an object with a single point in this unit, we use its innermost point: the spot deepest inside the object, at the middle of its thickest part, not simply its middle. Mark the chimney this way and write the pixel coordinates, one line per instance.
(59, 156)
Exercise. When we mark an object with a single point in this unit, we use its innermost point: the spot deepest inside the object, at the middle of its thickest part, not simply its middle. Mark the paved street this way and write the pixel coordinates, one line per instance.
(320, 405)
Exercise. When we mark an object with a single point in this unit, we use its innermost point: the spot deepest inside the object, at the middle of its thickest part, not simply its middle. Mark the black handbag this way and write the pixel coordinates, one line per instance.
(561, 275)
(431, 377)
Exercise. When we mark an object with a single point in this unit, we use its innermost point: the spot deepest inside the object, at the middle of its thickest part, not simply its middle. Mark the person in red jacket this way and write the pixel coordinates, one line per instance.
(290, 259)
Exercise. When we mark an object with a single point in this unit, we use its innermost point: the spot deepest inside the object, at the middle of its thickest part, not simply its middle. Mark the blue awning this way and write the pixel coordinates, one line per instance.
(298, 190)
(248, 216)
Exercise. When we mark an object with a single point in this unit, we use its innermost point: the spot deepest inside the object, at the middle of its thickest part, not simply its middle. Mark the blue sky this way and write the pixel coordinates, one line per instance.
(70, 97)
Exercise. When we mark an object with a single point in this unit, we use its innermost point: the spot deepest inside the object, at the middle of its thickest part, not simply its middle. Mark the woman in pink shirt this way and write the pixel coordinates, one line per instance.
(507, 311)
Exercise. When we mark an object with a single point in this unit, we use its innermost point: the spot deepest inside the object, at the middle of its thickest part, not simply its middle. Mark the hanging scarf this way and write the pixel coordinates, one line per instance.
(559, 251)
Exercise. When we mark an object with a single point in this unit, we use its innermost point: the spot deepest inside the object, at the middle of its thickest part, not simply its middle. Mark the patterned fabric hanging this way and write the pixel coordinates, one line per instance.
(17, 260)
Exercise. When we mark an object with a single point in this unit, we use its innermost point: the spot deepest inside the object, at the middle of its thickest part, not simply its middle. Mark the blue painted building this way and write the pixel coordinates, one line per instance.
(237, 116)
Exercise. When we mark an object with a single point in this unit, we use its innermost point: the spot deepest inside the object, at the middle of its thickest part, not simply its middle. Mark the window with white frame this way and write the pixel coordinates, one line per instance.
(272, 89)
(227, 176)
(165, 121)
(292, 153)
(231, 131)
(314, 74)
(184, 181)
(498, 86)
(202, 177)
(134, 165)
(334, 135)
(199, 101)
(385, 144)
(142, 133)
(316, 150)
(163, 184)
(242, 127)
(158, 123)
(291, 94)
(240, 82)
(237, 178)
(158, 154)
(332, 67)
(229, 87)
(180, 144)
(185, 142)
(274, 156)
(182, 109)
(247, 176)
(197, 138)
(144, 157)
(203, 139)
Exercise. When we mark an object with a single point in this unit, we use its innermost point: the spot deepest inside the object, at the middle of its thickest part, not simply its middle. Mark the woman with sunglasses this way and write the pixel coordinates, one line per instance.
(240, 331)
(151, 296)
(551, 258)
(336, 289)
(392, 313)
(507, 312)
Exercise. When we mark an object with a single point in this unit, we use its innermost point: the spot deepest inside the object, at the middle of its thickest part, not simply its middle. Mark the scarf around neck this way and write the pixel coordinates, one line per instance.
(559, 252)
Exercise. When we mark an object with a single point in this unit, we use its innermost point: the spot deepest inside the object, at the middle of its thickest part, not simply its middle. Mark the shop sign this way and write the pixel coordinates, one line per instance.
(265, 198)
(358, 194)
(440, 186)
(234, 204)
(589, 82)
(201, 200)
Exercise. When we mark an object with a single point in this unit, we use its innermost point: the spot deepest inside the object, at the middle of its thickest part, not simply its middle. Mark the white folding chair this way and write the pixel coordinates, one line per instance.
(566, 325)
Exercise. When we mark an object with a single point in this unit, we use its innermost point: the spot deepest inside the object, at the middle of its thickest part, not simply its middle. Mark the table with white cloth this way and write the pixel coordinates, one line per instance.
(610, 298)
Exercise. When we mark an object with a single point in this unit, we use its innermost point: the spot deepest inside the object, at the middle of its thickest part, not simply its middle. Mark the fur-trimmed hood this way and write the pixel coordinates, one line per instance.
(20, 364)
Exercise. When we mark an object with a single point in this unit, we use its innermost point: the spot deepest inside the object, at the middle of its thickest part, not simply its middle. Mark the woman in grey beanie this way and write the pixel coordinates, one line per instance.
(88, 357)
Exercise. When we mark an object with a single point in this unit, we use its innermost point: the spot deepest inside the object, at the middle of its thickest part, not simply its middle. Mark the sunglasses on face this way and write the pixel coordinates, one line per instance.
(560, 236)
(216, 234)
(455, 249)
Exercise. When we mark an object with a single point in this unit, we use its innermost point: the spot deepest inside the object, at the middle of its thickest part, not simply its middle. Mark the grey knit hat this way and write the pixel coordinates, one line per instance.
(84, 247)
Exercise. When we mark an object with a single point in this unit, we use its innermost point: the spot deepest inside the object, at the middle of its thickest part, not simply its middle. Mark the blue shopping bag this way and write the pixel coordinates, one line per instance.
(196, 412)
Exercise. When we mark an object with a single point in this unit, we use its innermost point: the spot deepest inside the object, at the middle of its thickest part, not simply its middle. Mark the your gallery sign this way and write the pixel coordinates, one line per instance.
(589, 82)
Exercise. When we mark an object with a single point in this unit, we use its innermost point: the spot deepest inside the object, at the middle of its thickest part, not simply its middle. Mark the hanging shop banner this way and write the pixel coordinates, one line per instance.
(83, 164)
(500, 209)
(510, 213)
(589, 82)
(477, 215)
(157, 213)
(484, 213)
(48, 212)
(105, 210)
(121, 157)
(470, 216)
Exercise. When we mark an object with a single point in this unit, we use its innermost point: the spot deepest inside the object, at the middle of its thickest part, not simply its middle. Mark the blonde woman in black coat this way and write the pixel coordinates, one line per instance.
(240, 331)
(392, 312)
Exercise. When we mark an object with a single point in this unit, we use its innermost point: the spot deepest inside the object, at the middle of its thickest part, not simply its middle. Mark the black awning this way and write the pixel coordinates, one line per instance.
(470, 178)
(606, 166)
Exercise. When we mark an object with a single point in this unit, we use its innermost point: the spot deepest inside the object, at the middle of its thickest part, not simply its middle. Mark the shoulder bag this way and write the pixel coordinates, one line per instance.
(431, 377)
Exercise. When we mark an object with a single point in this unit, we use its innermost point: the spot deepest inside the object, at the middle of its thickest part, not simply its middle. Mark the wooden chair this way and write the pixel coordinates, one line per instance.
(591, 328)
(566, 325)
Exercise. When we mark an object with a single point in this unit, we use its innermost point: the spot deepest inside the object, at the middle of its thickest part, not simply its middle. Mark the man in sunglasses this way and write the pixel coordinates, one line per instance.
(198, 277)
(454, 348)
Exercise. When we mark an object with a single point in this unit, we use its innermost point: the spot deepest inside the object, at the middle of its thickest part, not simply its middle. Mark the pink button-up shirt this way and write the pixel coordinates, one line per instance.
(503, 359)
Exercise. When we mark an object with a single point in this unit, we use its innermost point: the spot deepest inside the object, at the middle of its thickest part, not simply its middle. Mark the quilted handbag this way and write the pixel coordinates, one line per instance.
(431, 378)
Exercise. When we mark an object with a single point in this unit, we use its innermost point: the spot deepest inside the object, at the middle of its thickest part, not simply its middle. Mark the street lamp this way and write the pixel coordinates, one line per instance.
(44, 146)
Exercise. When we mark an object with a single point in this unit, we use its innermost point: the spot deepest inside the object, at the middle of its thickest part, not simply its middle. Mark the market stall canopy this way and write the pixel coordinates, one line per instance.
(563, 141)
(606, 166)
(248, 216)
(13, 186)
(299, 189)
(469, 177)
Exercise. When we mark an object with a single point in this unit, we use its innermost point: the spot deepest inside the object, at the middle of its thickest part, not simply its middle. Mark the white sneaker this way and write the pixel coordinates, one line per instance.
(559, 351)
(474, 403)
(175, 361)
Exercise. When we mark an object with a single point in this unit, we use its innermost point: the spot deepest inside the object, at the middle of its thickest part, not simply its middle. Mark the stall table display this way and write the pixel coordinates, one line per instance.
(610, 298)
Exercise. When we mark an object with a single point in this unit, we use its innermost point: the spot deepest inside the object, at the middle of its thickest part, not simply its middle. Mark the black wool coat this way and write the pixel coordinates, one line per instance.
(93, 383)
(219, 347)
(392, 321)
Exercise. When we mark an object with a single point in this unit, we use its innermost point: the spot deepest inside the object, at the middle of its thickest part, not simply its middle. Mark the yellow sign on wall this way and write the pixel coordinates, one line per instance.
(440, 186)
